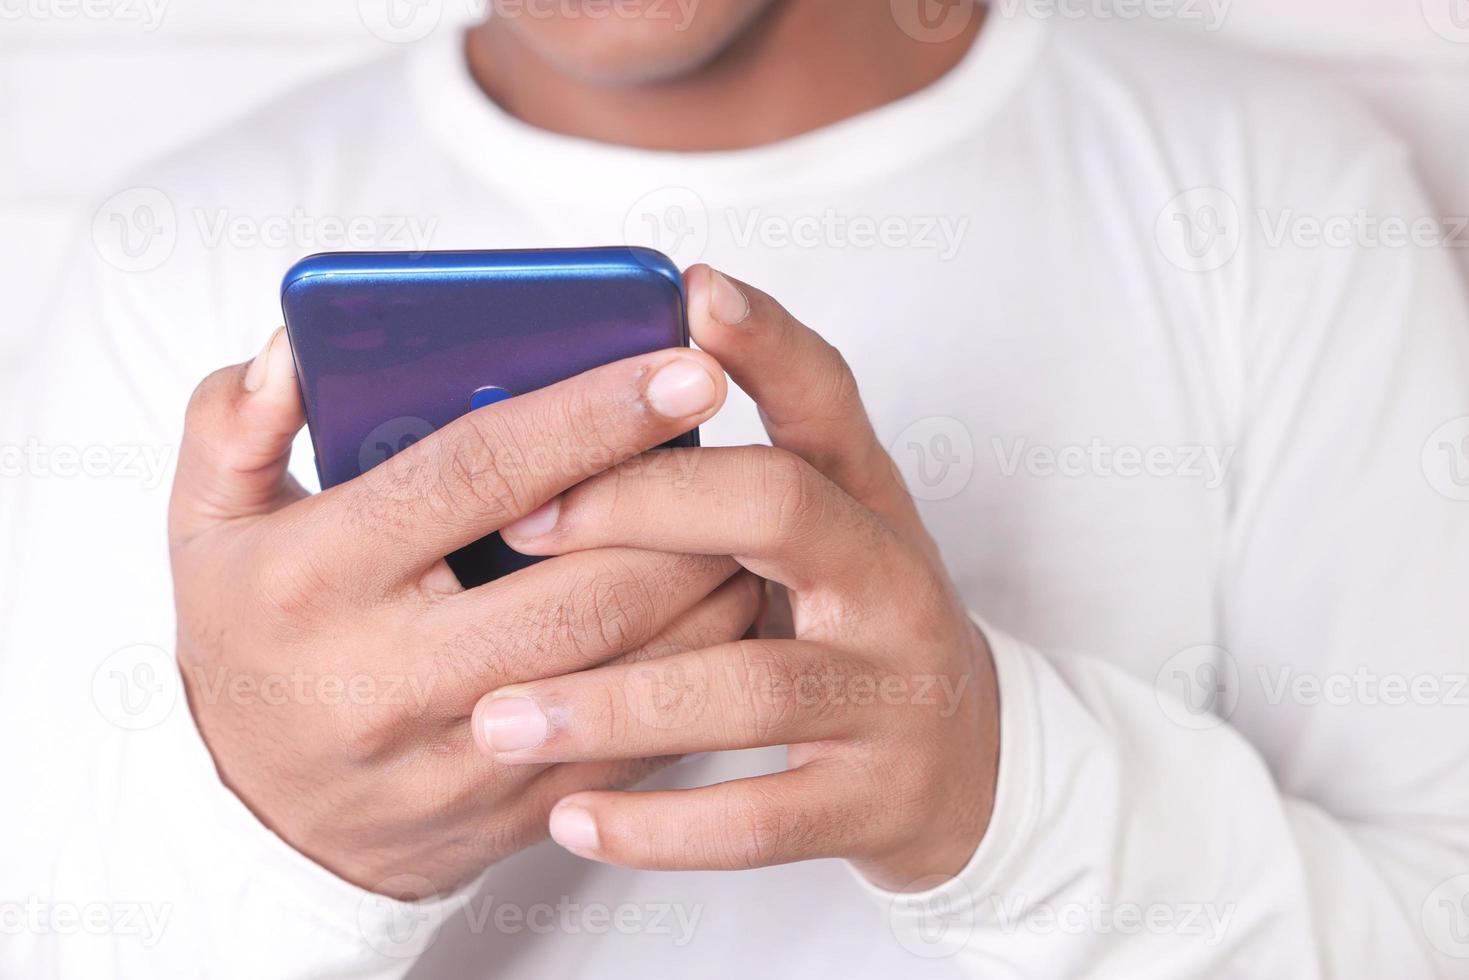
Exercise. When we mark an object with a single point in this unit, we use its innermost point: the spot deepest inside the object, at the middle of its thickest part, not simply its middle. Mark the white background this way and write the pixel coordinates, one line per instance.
(91, 88)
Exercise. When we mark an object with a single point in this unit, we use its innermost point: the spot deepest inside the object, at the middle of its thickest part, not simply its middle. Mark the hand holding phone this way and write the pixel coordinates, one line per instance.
(392, 346)
(332, 661)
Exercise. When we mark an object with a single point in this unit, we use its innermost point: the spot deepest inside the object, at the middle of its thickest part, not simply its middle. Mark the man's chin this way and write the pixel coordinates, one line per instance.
(608, 54)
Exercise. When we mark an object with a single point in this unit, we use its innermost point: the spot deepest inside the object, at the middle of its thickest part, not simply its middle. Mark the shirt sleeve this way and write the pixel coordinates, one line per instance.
(138, 861)
(1291, 799)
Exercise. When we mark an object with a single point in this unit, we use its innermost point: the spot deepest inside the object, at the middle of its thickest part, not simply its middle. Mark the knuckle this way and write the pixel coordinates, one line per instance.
(289, 583)
(592, 443)
(760, 832)
(841, 384)
(790, 484)
(622, 612)
(363, 737)
(475, 476)
(773, 678)
(206, 397)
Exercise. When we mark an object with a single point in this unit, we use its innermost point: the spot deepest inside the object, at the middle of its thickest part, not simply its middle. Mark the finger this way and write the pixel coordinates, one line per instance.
(723, 616)
(815, 811)
(566, 615)
(237, 441)
(807, 395)
(742, 695)
(501, 462)
(769, 509)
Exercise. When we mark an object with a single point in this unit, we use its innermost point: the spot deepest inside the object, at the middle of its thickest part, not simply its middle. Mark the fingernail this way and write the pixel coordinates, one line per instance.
(573, 828)
(540, 521)
(727, 303)
(512, 724)
(681, 388)
(273, 361)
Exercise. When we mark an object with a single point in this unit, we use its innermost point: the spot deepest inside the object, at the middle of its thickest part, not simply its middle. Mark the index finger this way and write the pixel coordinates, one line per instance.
(807, 395)
(501, 462)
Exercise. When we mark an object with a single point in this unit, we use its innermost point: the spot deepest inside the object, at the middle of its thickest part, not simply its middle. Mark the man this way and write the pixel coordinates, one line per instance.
(1184, 472)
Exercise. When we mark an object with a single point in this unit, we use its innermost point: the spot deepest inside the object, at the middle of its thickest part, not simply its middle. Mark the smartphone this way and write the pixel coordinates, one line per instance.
(391, 346)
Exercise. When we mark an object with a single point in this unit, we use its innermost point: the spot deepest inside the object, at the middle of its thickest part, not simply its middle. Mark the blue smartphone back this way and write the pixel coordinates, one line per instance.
(391, 346)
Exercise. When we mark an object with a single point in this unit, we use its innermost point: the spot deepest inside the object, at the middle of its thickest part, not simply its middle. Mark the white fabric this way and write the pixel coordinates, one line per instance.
(1151, 470)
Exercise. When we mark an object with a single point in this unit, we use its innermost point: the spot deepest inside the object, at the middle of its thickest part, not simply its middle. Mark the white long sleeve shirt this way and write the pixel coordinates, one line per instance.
(1171, 349)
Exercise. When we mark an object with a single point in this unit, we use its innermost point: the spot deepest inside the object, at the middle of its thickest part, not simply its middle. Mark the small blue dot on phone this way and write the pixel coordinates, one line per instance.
(488, 395)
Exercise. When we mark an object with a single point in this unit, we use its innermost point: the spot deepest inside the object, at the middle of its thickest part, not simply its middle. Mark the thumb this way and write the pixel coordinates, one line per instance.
(237, 441)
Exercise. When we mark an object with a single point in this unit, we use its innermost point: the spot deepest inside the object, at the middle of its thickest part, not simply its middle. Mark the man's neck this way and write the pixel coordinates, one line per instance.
(801, 66)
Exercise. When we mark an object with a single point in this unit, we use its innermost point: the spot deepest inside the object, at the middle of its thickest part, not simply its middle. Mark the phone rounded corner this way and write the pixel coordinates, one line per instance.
(655, 261)
(301, 270)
